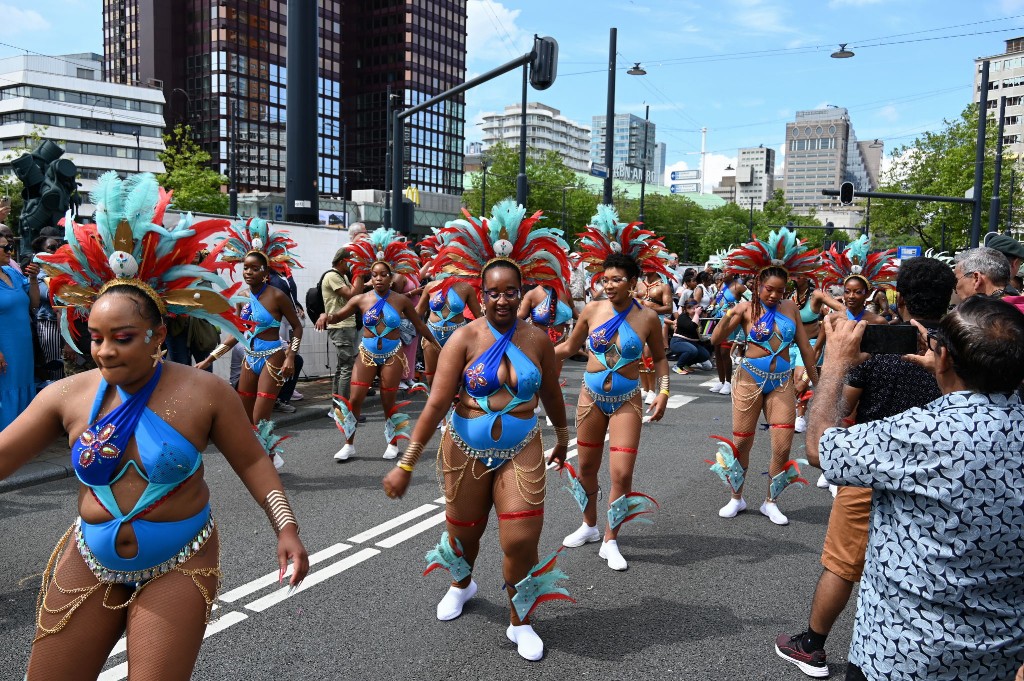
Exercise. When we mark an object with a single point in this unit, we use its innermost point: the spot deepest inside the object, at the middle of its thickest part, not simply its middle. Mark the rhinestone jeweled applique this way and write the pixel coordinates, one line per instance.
(97, 444)
(475, 377)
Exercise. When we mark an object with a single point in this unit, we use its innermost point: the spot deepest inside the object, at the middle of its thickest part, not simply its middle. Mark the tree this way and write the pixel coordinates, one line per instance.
(939, 163)
(196, 185)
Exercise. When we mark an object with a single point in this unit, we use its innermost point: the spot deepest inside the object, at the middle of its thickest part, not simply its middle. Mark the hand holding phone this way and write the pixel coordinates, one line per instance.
(884, 339)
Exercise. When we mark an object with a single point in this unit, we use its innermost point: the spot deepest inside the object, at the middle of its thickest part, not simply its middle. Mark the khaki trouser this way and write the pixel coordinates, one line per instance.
(344, 340)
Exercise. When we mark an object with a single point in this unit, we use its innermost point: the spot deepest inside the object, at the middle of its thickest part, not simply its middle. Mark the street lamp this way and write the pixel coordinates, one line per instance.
(188, 110)
(729, 167)
(643, 157)
(609, 121)
(842, 52)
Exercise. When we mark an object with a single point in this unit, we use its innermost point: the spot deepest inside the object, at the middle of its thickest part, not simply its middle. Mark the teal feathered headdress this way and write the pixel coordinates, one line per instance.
(877, 270)
(255, 236)
(782, 249)
(606, 235)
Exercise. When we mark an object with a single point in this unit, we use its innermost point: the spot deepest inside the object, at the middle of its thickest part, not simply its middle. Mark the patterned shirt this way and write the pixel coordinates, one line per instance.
(891, 385)
(942, 596)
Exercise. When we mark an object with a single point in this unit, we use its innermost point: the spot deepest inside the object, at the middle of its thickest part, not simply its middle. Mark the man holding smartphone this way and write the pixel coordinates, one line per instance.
(884, 385)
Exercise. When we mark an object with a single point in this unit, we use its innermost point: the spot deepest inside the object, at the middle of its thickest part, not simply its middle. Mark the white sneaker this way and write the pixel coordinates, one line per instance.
(716, 387)
(726, 389)
(584, 535)
(297, 396)
(732, 508)
(822, 482)
(278, 461)
(801, 425)
(610, 552)
(771, 509)
(330, 413)
(345, 452)
(649, 399)
(526, 639)
(451, 605)
(391, 452)
(706, 365)
(403, 384)
(548, 419)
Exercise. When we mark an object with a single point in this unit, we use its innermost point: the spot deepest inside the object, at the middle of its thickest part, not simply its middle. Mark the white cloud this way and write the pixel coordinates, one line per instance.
(492, 35)
(761, 16)
(888, 113)
(18, 21)
(714, 169)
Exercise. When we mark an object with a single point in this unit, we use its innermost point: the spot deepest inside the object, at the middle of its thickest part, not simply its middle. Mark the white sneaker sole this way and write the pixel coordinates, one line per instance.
(816, 672)
(576, 541)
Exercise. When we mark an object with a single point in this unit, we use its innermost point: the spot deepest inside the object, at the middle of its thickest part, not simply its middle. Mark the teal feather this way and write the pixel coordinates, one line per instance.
(141, 192)
(265, 434)
(109, 202)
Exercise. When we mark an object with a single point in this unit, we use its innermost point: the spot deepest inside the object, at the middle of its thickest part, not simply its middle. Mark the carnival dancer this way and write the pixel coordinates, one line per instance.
(142, 558)
(765, 380)
(813, 304)
(653, 292)
(615, 330)
(269, 362)
(378, 259)
(859, 272)
(548, 310)
(491, 454)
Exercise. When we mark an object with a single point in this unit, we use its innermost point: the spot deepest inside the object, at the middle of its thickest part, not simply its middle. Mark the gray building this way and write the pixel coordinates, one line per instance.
(660, 153)
(822, 152)
(628, 154)
(755, 176)
(546, 130)
(1006, 79)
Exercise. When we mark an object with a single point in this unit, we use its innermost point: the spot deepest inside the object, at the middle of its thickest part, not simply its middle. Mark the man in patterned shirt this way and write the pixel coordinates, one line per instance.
(883, 386)
(941, 597)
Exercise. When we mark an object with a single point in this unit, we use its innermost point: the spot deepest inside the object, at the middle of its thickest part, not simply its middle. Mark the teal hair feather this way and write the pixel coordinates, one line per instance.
(451, 559)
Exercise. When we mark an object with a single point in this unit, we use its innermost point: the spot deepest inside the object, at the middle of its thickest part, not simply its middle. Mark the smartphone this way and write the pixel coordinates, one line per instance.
(884, 339)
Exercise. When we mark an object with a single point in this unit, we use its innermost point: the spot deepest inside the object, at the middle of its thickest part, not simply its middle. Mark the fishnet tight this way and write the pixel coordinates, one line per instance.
(516, 488)
(164, 621)
(624, 427)
(362, 376)
(778, 406)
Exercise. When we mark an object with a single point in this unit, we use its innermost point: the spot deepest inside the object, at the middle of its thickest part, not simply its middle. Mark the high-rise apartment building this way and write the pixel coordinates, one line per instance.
(822, 152)
(222, 69)
(628, 152)
(1006, 79)
(755, 176)
(546, 130)
(660, 153)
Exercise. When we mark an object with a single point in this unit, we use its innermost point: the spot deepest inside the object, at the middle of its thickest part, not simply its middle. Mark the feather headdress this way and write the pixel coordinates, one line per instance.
(718, 259)
(429, 247)
(782, 249)
(469, 245)
(386, 246)
(856, 260)
(606, 235)
(129, 246)
(254, 236)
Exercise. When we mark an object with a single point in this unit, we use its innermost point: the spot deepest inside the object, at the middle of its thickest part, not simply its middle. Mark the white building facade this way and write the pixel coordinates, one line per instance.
(546, 130)
(628, 152)
(1006, 79)
(101, 126)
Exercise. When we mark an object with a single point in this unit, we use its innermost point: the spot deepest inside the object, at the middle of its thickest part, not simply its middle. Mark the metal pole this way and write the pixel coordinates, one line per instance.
(522, 187)
(483, 194)
(1009, 205)
(750, 225)
(344, 174)
(979, 157)
(703, 156)
(232, 161)
(563, 210)
(643, 175)
(397, 151)
(302, 195)
(138, 152)
(867, 219)
(995, 207)
(388, 160)
(943, 246)
(609, 119)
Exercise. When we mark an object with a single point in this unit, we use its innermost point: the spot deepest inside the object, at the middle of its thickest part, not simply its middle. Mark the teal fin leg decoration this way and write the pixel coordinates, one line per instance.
(539, 586)
(726, 466)
(451, 559)
(265, 434)
(343, 416)
(629, 507)
(397, 426)
(789, 475)
(576, 488)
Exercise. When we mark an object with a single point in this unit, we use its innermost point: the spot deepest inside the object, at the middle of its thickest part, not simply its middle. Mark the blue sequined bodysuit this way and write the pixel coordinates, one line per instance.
(608, 388)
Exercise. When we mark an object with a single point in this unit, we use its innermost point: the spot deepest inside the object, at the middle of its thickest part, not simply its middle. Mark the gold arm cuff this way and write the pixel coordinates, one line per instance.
(562, 435)
(663, 383)
(279, 511)
(296, 342)
(411, 456)
(219, 351)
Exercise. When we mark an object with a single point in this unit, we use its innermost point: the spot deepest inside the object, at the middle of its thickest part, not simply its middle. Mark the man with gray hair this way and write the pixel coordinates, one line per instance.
(1014, 252)
(357, 232)
(981, 271)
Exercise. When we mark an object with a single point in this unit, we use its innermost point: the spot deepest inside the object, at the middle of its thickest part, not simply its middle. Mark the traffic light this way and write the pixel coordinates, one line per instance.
(544, 63)
(830, 228)
(846, 193)
(49, 188)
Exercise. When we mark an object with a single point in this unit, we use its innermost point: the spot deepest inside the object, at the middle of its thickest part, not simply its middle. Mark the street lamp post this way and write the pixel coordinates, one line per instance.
(138, 150)
(750, 224)
(1009, 202)
(643, 162)
(609, 119)
(483, 190)
(188, 109)
(564, 189)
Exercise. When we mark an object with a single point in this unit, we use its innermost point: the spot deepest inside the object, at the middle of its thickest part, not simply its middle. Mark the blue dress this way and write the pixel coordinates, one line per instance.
(17, 384)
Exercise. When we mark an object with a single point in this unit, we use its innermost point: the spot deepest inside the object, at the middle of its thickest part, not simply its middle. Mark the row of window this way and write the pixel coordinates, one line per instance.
(91, 124)
(111, 151)
(812, 144)
(72, 97)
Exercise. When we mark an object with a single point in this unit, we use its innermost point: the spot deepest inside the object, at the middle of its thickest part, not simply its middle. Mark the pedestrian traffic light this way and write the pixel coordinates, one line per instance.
(846, 193)
(829, 228)
(544, 63)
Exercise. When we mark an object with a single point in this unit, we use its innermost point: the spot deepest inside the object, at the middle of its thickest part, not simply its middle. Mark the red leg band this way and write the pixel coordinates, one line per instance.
(244, 394)
(361, 384)
(388, 390)
(266, 396)
(532, 513)
(428, 373)
(463, 523)
(592, 445)
(782, 426)
(628, 450)
(735, 434)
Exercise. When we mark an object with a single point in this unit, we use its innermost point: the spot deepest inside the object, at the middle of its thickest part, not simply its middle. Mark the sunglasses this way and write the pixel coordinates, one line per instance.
(7, 248)
(508, 294)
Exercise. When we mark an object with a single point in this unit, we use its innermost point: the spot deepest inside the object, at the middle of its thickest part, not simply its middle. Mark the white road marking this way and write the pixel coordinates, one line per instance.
(410, 532)
(114, 673)
(266, 580)
(676, 401)
(708, 384)
(312, 579)
(440, 500)
(392, 524)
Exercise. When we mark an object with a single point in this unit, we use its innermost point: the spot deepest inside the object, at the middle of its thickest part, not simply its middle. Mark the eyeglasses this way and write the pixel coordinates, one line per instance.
(604, 281)
(508, 294)
(934, 340)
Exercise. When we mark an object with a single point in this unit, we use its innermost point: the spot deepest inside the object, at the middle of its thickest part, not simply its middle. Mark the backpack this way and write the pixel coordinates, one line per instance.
(315, 305)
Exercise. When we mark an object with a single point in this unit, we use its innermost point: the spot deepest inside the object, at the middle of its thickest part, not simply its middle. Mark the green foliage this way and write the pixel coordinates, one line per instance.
(197, 186)
(939, 163)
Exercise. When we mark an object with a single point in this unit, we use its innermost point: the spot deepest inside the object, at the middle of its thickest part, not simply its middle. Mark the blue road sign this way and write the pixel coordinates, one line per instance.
(904, 252)
(598, 170)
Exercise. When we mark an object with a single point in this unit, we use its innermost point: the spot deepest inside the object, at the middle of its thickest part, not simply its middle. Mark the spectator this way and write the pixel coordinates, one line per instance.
(288, 392)
(883, 386)
(940, 597)
(47, 322)
(6, 233)
(190, 338)
(357, 232)
(1014, 252)
(686, 342)
(19, 298)
(686, 291)
(981, 271)
(336, 289)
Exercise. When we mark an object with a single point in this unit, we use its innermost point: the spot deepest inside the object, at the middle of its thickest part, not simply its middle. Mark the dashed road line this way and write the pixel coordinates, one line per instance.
(393, 523)
(312, 579)
(408, 533)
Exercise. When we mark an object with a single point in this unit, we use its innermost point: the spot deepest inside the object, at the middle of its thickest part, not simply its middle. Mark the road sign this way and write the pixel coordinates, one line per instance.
(685, 175)
(686, 188)
(904, 252)
(598, 170)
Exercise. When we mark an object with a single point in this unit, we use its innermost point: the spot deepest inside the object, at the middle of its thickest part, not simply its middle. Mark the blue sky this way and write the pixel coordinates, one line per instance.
(905, 78)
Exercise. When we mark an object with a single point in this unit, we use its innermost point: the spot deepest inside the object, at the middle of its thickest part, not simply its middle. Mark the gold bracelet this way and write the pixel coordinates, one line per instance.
(562, 436)
(411, 456)
(279, 511)
(663, 384)
(219, 351)
(296, 342)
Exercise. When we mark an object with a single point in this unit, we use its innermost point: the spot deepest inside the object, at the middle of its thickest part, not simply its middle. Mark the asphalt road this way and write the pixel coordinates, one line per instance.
(703, 597)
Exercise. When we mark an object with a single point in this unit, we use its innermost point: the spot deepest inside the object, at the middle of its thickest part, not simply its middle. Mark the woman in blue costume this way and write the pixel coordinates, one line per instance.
(615, 331)
(732, 292)
(378, 260)
(19, 299)
(445, 306)
(860, 272)
(813, 304)
(142, 558)
(551, 311)
(654, 293)
(491, 455)
(763, 381)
